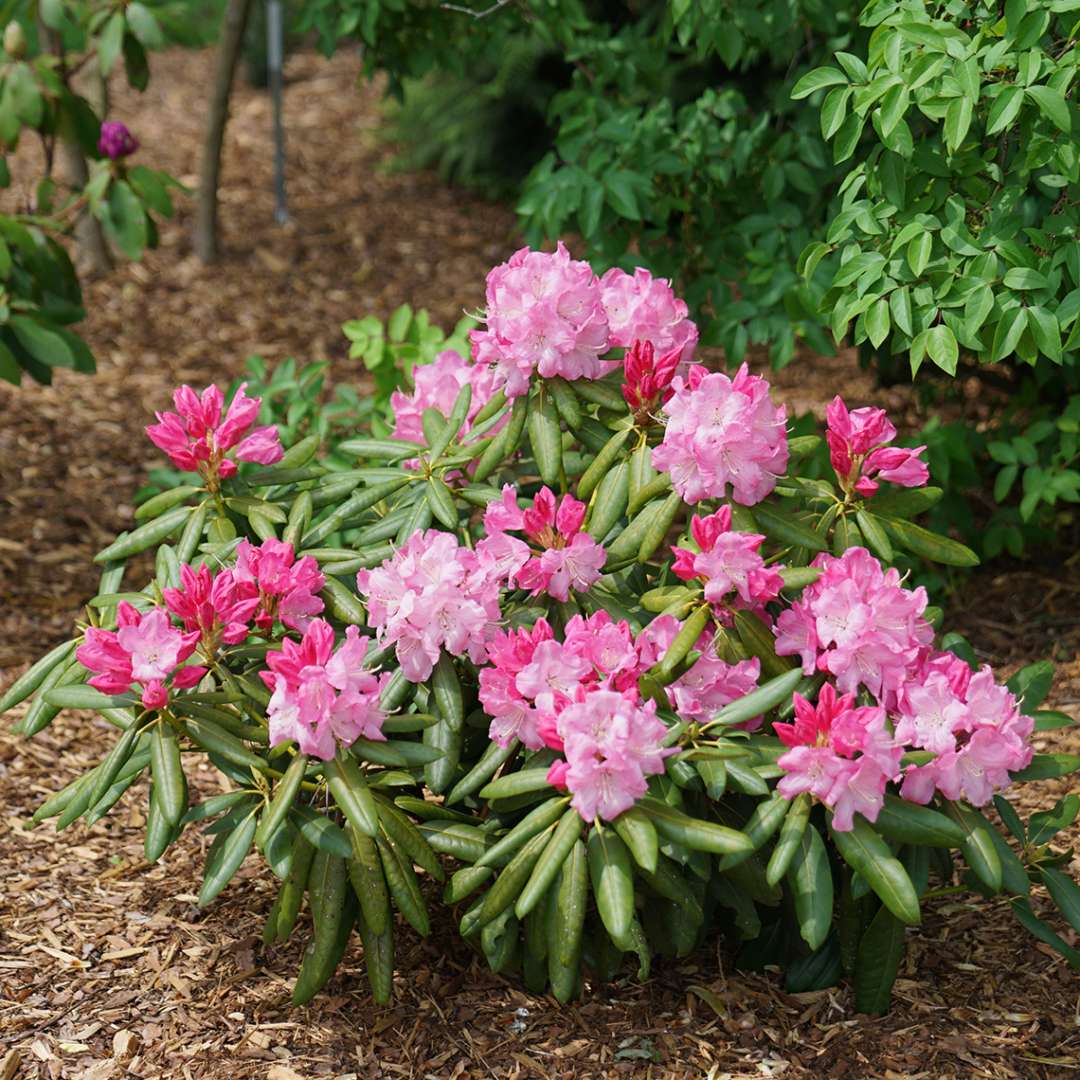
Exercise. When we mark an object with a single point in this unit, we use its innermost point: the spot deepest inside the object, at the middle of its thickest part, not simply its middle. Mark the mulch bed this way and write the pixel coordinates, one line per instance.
(107, 966)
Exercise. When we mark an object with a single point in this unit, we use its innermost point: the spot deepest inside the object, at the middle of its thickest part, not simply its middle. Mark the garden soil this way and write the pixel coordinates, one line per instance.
(108, 968)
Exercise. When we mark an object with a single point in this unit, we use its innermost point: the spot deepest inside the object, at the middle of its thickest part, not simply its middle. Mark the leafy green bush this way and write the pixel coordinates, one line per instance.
(40, 296)
(589, 641)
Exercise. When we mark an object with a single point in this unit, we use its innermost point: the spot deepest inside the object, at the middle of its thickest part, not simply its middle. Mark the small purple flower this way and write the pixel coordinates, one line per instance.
(116, 141)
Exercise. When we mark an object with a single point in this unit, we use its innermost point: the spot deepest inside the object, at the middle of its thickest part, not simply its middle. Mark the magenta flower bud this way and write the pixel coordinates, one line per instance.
(116, 141)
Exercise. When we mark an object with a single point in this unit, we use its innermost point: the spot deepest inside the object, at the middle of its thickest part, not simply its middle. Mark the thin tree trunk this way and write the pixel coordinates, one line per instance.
(206, 205)
(93, 256)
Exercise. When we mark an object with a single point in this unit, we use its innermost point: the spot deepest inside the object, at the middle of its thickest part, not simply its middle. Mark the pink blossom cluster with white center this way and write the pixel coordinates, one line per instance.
(437, 386)
(843, 755)
(859, 451)
(196, 438)
(729, 562)
(432, 594)
(544, 313)
(973, 727)
(612, 743)
(146, 651)
(563, 556)
(858, 623)
(322, 697)
(720, 433)
(640, 307)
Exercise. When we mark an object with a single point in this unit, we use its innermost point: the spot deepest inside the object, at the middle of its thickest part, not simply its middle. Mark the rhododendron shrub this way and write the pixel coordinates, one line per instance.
(581, 642)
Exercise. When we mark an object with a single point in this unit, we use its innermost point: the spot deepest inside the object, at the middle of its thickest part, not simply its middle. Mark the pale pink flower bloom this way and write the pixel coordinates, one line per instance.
(513, 717)
(544, 314)
(858, 623)
(859, 787)
(196, 438)
(437, 386)
(146, 651)
(640, 307)
(611, 744)
(859, 452)
(722, 433)
(552, 677)
(432, 595)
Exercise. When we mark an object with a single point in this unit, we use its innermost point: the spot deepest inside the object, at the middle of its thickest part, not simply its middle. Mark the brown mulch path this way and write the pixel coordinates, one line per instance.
(107, 966)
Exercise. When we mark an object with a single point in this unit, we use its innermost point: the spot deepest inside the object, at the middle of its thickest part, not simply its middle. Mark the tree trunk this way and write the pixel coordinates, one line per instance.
(206, 205)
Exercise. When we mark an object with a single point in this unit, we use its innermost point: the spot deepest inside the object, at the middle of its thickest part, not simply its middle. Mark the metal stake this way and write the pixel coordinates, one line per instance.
(275, 56)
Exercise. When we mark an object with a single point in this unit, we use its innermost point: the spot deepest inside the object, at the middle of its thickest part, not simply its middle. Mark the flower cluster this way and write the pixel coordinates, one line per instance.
(611, 743)
(545, 314)
(858, 448)
(432, 594)
(857, 623)
(115, 141)
(842, 755)
(214, 606)
(146, 651)
(722, 432)
(286, 587)
(267, 583)
(437, 386)
(642, 308)
(728, 561)
(565, 556)
(973, 727)
(322, 697)
(197, 438)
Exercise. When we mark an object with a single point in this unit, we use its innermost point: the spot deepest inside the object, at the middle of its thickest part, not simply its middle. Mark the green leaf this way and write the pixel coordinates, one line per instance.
(810, 879)
(957, 121)
(225, 860)
(865, 852)
(918, 252)
(929, 545)
(1021, 907)
(144, 25)
(877, 322)
(621, 195)
(1049, 767)
(44, 345)
(877, 963)
(1052, 105)
(1031, 684)
(942, 347)
(1009, 330)
(817, 80)
(109, 42)
(1046, 824)
(125, 219)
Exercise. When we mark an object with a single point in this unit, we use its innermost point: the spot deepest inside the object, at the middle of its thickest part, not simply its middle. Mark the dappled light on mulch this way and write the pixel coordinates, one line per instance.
(107, 966)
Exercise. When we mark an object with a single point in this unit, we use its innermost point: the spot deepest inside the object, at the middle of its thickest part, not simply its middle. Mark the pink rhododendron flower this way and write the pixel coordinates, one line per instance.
(196, 438)
(710, 684)
(146, 651)
(437, 386)
(214, 605)
(544, 314)
(612, 743)
(722, 432)
(432, 594)
(640, 307)
(728, 562)
(972, 725)
(824, 741)
(115, 141)
(858, 623)
(647, 380)
(563, 556)
(322, 698)
(607, 646)
(513, 715)
(286, 587)
(858, 450)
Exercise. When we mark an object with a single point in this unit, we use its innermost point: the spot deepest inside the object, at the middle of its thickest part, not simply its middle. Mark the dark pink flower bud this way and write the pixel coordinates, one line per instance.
(115, 141)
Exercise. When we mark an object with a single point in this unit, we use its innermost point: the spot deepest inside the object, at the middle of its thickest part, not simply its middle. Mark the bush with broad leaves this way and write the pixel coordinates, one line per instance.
(577, 639)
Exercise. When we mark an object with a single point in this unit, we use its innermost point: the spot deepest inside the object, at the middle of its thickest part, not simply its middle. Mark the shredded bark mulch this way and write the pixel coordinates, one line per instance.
(107, 966)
